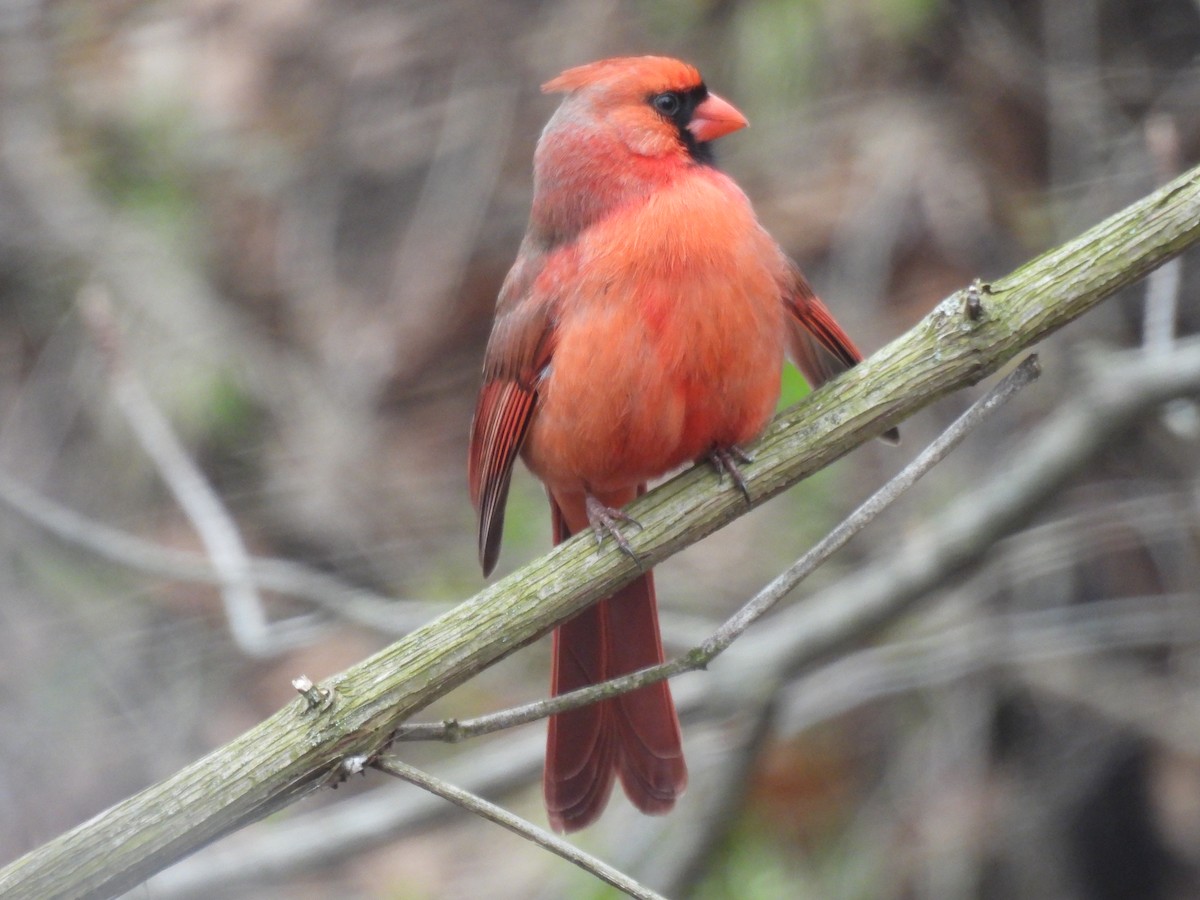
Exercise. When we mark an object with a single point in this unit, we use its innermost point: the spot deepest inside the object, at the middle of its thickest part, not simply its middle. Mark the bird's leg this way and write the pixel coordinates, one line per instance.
(728, 460)
(606, 520)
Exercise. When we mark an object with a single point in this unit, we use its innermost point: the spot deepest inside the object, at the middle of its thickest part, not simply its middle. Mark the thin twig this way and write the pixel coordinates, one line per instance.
(517, 825)
(736, 625)
(329, 835)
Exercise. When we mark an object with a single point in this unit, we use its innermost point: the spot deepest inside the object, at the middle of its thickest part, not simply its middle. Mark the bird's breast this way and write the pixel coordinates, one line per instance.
(669, 342)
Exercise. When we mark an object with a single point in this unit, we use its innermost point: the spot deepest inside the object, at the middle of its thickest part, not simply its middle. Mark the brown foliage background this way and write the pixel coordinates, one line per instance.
(301, 211)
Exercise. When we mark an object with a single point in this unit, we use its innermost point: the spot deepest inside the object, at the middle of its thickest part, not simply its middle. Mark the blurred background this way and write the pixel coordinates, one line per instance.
(248, 256)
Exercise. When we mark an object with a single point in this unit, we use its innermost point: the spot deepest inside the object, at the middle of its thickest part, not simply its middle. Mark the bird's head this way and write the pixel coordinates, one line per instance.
(626, 127)
(657, 106)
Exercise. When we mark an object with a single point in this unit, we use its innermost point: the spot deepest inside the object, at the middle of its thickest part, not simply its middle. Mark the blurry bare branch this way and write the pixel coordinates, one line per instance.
(1162, 287)
(130, 259)
(218, 532)
(444, 227)
(385, 614)
(1078, 115)
(987, 642)
(1103, 528)
(1127, 696)
(1161, 310)
(296, 751)
(517, 825)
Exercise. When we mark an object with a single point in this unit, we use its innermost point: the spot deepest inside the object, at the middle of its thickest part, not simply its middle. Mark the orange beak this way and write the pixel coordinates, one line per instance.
(715, 118)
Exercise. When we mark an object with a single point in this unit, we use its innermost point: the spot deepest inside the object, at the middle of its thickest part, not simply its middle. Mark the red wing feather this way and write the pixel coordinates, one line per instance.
(518, 352)
(501, 420)
(816, 342)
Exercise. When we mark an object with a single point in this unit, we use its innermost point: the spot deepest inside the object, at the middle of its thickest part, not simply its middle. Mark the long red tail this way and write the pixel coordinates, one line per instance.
(636, 735)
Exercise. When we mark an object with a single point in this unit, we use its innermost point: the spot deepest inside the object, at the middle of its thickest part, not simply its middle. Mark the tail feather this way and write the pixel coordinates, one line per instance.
(580, 745)
(635, 736)
(651, 766)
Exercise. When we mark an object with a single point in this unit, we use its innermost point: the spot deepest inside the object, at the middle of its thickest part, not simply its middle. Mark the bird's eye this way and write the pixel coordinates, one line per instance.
(667, 103)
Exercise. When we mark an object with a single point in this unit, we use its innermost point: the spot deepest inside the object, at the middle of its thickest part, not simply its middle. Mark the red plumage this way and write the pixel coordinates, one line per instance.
(642, 326)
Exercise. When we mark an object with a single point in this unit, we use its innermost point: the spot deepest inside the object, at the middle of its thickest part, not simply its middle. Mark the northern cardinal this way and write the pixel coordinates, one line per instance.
(642, 326)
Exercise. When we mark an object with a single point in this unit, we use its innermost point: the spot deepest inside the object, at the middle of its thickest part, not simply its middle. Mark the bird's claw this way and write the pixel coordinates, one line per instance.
(729, 460)
(606, 520)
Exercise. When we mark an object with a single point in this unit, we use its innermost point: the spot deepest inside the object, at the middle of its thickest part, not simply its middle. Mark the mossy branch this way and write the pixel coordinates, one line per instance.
(303, 746)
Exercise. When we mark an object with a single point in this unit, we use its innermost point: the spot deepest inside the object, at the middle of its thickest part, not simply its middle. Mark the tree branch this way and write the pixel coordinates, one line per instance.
(1072, 436)
(297, 750)
(517, 825)
(733, 628)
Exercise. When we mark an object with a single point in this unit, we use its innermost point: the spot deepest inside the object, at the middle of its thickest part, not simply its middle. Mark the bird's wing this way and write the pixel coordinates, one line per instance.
(518, 351)
(816, 342)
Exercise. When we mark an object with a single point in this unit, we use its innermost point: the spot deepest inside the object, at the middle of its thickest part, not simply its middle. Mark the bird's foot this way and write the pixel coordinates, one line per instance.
(729, 460)
(606, 520)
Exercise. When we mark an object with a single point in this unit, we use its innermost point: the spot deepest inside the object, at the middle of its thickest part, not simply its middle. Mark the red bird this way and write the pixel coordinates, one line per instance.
(642, 326)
